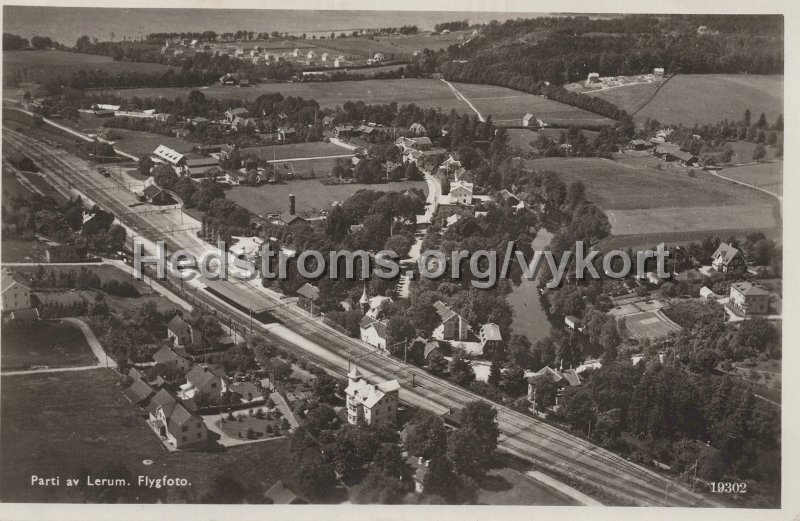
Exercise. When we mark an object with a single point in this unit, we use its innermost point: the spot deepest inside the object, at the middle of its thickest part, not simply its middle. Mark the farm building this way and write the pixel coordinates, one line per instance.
(638, 144)
(232, 114)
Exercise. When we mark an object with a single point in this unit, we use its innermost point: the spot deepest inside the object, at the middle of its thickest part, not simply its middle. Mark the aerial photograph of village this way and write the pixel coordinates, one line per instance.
(126, 132)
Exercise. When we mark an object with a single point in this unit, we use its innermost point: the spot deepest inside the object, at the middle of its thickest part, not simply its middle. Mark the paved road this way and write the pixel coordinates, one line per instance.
(292, 329)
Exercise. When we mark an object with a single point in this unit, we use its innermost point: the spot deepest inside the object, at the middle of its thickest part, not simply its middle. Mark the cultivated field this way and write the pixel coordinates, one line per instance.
(646, 202)
(49, 343)
(311, 194)
(702, 98)
(41, 66)
(508, 106)
(423, 92)
(768, 176)
(78, 423)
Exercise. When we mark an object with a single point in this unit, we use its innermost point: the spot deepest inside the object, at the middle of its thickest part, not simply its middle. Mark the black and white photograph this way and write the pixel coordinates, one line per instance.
(264, 255)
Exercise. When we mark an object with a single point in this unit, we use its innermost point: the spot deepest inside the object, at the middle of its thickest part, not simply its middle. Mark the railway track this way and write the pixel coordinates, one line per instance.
(539, 442)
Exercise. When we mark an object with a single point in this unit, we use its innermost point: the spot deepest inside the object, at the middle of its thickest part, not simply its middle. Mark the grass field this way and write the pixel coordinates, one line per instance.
(522, 138)
(71, 424)
(40, 66)
(296, 150)
(311, 195)
(644, 201)
(509, 106)
(703, 98)
(423, 92)
(768, 176)
(47, 343)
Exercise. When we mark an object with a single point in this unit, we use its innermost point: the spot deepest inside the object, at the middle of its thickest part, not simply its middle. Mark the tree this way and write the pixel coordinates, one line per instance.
(465, 452)
(461, 371)
(225, 489)
(545, 392)
(379, 487)
(481, 418)
(426, 436)
(759, 152)
(324, 387)
(494, 371)
(315, 476)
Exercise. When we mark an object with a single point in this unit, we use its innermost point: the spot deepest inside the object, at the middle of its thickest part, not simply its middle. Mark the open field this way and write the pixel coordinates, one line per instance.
(49, 343)
(41, 66)
(768, 176)
(82, 424)
(647, 325)
(296, 150)
(640, 200)
(311, 195)
(702, 98)
(422, 92)
(522, 138)
(509, 106)
(393, 45)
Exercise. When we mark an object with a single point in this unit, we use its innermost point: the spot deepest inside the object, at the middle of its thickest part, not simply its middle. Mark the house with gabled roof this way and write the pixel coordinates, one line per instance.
(174, 423)
(238, 112)
(280, 494)
(308, 296)
(16, 294)
(139, 392)
(453, 326)
(168, 357)
(491, 338)
(205, 379)
(727, 259)
(562, 379)
(182, 333)
(374, 332)
(371, 404)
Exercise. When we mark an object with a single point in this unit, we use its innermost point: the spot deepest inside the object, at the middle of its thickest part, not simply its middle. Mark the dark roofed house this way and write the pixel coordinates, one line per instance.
(308, 297)
(139, 392)
(280, 494)
(168, 357)
(288, 219)
(638, 144)
(182, 333)
(562, 379)
(727, 259)
(155, 195)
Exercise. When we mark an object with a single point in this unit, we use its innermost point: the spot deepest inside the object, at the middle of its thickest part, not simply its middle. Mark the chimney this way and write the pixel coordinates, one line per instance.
(291, 204)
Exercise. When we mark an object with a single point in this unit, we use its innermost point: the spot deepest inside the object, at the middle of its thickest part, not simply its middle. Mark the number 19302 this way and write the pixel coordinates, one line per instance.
(728, 487)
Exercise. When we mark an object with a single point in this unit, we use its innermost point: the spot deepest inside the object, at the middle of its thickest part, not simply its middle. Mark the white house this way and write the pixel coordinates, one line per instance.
(452, 327)
(16, 295)
(461, 192)
(371, 404)
(374, 332)
(174, 423)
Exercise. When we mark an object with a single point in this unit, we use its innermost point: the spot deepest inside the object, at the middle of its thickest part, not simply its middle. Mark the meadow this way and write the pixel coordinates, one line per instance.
(702, 98)
(508, 106)
(666, 204)
(768, 176)
(41, 66)
(422, 92)
(311, 194)
(83, 425)
(49, 343)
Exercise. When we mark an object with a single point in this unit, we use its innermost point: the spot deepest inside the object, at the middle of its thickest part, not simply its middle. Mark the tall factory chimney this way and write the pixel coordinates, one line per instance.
(291, 204)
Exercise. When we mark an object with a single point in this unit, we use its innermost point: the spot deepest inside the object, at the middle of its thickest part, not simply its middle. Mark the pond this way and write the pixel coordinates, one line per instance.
(530, 318)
